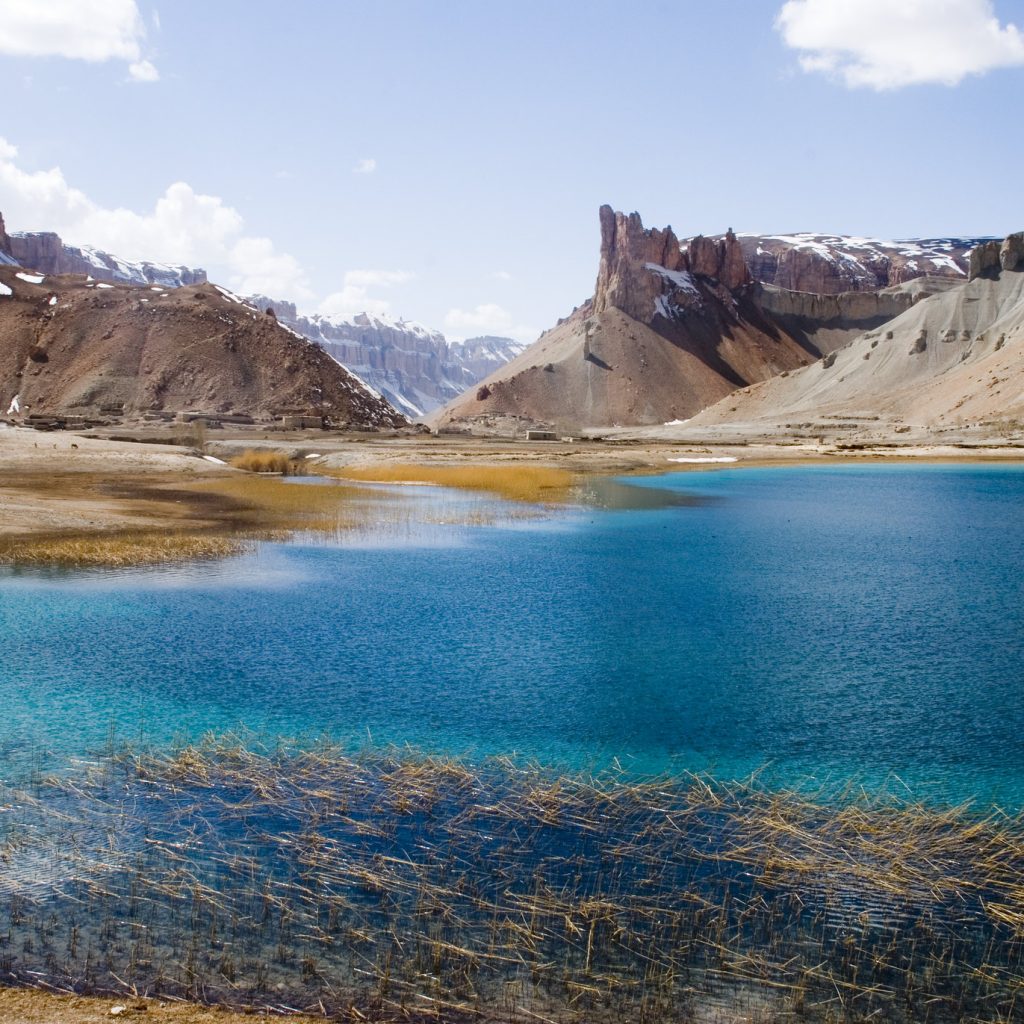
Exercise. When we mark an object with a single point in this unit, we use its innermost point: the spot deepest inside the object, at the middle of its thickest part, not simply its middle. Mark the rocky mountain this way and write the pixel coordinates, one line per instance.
(956, 357)
(830, 264)
(70, 347)
(414, 367)
(668, 331)
(44, 251)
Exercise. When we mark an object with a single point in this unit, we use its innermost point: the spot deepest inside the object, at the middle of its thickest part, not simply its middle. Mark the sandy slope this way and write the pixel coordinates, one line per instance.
(955, 358)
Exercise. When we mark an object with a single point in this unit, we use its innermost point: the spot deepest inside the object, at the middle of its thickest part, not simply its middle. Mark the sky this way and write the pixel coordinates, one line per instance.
(444, 160)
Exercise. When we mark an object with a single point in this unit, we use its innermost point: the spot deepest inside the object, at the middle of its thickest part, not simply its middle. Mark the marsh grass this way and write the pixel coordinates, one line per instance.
(388, 885)
(524, 483)
(117, 549)
(260, 461)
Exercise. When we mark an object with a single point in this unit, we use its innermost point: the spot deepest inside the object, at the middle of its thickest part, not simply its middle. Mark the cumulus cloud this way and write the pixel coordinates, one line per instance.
(354, 295)
(487, 318)
(887, 44)
(90, 30)
(365, 166)
(184, 227)
(501, 275)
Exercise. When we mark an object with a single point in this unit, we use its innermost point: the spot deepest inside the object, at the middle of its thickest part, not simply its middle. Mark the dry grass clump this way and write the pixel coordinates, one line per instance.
(386, 885)
(513, 482)
(259, 461)
(116, 550)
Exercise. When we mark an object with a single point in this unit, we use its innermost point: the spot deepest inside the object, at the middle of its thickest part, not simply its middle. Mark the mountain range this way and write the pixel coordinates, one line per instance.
(415, 368)
(688, 332)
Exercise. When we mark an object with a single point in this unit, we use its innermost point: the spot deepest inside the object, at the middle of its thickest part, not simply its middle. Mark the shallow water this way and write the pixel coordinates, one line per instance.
(826, 623)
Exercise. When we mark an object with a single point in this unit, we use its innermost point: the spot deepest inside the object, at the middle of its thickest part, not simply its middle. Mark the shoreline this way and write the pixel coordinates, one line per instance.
(55, 487)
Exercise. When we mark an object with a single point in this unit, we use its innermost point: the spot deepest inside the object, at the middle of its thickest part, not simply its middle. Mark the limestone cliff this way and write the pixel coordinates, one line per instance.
(417, 369)
(47, 253)
(831, 264)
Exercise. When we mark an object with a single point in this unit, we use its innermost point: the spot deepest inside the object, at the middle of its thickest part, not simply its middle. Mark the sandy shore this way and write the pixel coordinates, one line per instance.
(29, 1006)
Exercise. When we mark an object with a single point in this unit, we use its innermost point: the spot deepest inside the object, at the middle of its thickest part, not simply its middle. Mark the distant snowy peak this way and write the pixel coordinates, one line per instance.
(828, 264)
(414, 367)
(372, 322)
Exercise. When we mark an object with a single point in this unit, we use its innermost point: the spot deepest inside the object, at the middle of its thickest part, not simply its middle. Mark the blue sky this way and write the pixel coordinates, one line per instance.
(445, 161)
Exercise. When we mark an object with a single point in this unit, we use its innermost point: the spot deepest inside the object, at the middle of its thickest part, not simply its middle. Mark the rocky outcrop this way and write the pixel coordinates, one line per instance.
(627, 249)
(1011, 252)
(720, 258)
(983, 259)
(46, 252)
(417, 369)
(5, 242)
(992, 256)
(94, 349)
(636, 263)
(832, 264)
(668, 331)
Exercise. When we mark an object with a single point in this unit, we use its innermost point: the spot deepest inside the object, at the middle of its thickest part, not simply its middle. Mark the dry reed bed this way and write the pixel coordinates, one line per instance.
(387, 885)
(532, 484)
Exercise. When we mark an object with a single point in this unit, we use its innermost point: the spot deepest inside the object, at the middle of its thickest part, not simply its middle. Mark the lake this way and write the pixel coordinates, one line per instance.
(814, 624)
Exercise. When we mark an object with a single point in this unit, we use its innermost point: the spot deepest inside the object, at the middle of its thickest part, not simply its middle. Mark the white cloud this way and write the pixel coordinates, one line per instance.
(365, 166)
(501, 275)
(143, 71)
(354, 295)
(90, 30)
(487, 318)
(184, 227)
(886, 44)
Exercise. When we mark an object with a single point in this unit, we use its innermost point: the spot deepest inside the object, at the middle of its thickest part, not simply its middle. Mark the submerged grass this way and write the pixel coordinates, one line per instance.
(391, 886)
(535, 484)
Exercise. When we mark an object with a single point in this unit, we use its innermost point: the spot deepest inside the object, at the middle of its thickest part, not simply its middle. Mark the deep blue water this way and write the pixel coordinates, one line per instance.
(861, 622)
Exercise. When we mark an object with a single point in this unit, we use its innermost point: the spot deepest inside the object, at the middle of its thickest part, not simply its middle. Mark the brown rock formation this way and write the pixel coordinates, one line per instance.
(983, 258)
(1011, 252)
(667, 333)
(623, 282)
(72, 347)
(5, 242)
(721, 258)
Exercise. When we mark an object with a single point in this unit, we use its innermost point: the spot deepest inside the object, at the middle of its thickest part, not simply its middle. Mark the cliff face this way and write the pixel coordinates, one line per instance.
(414, 367)
(46, 253)
(830, 264)
(74, 347)
(668, 331)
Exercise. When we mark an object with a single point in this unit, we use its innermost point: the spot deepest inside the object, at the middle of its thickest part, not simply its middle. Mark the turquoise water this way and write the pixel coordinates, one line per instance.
(826, 623)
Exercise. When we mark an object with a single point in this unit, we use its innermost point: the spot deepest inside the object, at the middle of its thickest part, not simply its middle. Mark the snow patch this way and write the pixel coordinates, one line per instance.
(707, 458)
(4, 290)
(682, 279)
(102, 284)
(31, 278)
(53, 300)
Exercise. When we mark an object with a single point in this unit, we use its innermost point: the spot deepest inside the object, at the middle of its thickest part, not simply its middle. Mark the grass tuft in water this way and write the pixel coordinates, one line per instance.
(397, 884)
(536, 484)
